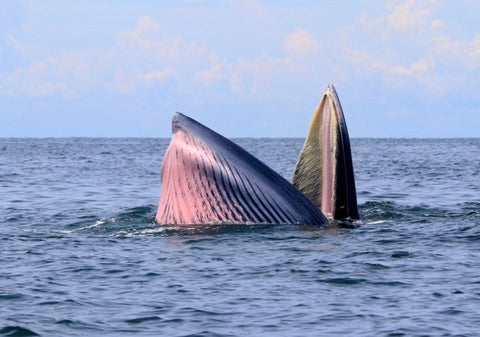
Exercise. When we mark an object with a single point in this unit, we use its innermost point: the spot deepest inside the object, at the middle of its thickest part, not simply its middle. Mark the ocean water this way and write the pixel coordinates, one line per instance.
(80, 255)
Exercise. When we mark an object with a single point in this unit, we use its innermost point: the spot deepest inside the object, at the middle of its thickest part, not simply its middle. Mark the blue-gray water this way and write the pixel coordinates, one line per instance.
(80, 255)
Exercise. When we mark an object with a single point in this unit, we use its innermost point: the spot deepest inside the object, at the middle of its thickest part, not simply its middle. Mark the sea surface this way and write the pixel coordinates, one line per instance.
(81, 256)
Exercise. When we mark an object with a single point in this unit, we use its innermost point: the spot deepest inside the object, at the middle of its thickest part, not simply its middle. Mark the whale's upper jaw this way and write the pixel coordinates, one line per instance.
(183, 122)
(324, 170)
(206, 178)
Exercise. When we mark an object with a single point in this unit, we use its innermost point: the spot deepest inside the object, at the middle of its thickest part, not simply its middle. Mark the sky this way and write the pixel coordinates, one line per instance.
(245, 68)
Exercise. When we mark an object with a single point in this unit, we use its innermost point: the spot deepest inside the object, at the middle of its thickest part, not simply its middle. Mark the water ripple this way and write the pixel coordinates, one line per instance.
(82, 257)
(16, 331)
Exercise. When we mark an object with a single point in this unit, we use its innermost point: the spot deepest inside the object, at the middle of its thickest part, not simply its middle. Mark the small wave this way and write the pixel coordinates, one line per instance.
(232, 228)
(157, 230)
(14, 296)
(401, 254)
(207, 333)
(127, 221)
(139, 320)
(88, 227)
(376, 222)
(343, 281)
(16, 331)
(375, 212)
(471, 208)
(194, 229)
(139, 221)
(381, 211)
(136, 213)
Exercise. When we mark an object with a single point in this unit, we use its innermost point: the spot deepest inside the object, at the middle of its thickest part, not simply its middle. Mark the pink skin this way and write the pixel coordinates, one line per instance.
(188, 196)
(327, 160)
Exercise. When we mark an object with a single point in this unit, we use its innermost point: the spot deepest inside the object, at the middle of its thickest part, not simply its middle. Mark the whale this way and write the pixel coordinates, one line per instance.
(208, 179)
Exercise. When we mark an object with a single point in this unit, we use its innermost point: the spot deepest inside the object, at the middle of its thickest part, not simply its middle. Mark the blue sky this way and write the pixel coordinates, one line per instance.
(408, 68)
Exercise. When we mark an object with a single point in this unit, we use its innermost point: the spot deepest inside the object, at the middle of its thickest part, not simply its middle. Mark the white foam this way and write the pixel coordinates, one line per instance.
(96, 224)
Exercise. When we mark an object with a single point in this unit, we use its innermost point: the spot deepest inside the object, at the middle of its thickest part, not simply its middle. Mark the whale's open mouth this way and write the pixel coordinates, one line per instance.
(207, 178)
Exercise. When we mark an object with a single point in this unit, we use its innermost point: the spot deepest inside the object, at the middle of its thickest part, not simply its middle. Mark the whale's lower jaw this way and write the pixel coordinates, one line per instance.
(324, 171)
(207, 179)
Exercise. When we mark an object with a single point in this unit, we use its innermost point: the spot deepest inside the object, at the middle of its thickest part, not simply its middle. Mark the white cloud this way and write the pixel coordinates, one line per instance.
(16, 45)
(157, 75)
(282, 76)
(300, 42)
(405, 44)
(410, 15)
(474, 49)
(126, 81)
(147, 41)
(404, 18)
(256, 78)
(63, 74)
(144, 55)
(366, 61)
(444, 44)
(210, 75)
(420, 74)
(408, 46)
(147, 54)
(437, 24)
(464, 53)
(414, 69)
